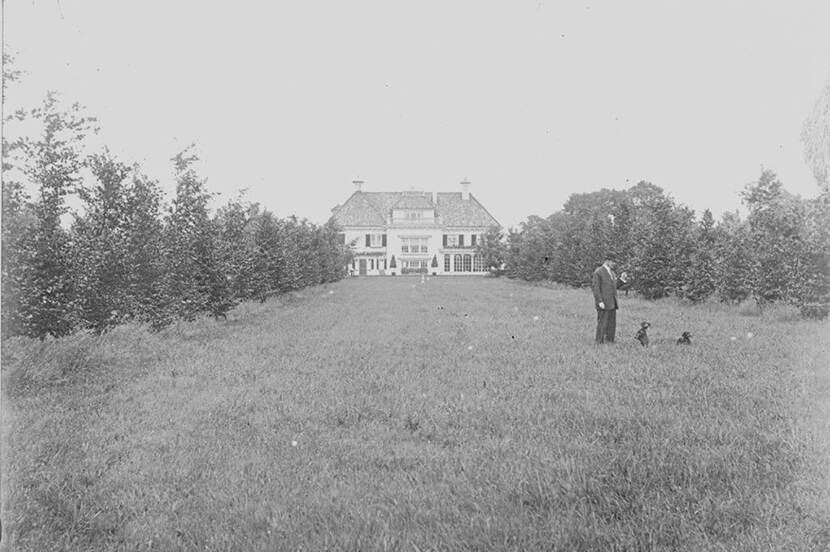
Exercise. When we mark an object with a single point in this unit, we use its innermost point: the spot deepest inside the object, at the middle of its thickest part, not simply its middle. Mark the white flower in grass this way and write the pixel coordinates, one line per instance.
(749, 335)
(733, 338)
(331, 291)
(470, 348)
(536, 318)
(293, 443)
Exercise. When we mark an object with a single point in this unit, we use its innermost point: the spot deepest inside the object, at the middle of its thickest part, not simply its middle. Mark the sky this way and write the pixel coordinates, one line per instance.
(531, 101)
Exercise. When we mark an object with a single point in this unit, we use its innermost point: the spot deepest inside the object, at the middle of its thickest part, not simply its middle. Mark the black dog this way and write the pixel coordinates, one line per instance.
(641, 334)
(685, 339)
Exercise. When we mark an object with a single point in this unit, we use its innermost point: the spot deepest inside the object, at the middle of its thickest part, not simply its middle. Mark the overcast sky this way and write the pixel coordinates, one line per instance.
(530, 100)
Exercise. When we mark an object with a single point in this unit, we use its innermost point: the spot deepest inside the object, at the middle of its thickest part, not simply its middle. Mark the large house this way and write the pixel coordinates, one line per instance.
(414, 232)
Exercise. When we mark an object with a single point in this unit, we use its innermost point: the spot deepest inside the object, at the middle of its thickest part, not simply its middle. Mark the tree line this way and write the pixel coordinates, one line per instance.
(126, 254)
(779, 252)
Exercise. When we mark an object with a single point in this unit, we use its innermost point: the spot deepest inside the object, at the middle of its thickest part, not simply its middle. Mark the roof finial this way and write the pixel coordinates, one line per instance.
(358, 184)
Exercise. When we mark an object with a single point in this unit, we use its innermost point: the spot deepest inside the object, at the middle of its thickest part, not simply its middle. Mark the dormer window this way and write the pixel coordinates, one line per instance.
(375, 240)
(414, 215)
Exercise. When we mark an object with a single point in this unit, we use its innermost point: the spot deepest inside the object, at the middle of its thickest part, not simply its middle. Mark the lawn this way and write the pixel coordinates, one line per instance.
(453, 414)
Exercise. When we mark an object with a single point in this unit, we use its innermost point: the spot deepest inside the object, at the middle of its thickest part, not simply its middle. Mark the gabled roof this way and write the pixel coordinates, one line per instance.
(358, 211)
(457, 211)
(372, 208)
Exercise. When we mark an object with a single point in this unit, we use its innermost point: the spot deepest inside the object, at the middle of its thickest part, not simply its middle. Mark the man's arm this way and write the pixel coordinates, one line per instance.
(596, 288)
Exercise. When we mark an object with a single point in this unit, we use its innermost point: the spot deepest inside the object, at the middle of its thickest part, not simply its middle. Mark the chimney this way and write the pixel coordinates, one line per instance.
(357, 185)
(465, 189)
(435, 198)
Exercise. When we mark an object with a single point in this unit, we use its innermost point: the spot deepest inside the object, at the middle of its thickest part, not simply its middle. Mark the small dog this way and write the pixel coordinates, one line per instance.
(685, 339)
(641, 334)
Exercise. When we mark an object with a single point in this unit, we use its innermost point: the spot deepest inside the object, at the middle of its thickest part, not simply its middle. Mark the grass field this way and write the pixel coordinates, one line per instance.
(390, 414)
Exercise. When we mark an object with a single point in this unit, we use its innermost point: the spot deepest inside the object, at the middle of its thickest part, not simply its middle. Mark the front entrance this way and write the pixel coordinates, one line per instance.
(361, 267)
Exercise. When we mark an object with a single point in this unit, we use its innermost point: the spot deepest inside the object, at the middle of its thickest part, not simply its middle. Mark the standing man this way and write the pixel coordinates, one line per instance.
(604, 286)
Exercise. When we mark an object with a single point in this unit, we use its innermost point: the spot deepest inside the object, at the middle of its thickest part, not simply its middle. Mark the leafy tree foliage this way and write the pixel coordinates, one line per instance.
(662, 242)
(196, 281)
(492, 248)
(779, 253)
(733, 264)
(700, 282)
(117, 246)
(128, 256)
(815, 135)
(46, 298)
(17, 218)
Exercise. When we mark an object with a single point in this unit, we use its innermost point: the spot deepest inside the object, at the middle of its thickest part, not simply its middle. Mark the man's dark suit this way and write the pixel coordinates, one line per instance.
(605, 292)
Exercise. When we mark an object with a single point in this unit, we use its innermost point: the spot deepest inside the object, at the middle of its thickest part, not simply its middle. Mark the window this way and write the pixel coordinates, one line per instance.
(415, 264)
(452, 240)
(446, 263)
(468, 263)
(414, 215)
(477, 264)
(375, 240)
(414, 245)
(456, 265)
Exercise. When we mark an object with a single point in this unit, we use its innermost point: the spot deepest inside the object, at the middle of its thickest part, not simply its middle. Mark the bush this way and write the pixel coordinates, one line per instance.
(815, 311)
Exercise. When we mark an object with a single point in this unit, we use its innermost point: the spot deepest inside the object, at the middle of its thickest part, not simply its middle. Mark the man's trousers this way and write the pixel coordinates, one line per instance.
(606, 325)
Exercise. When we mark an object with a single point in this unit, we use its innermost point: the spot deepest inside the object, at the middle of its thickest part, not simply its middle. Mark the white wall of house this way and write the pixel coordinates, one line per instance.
(378, 258)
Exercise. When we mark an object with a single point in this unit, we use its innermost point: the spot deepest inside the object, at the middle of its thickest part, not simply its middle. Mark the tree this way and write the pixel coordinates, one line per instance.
(147, 293)
(53, 162)
(195, 280)
(662, 238)
(813, 290)
(733, 265)
(236, 251)
(117, 247)
(776, 223)
(334, 254)
(17, 219)
(492, 248)
(266, 263)
(815, 134)
(101, 269)
(700, 282)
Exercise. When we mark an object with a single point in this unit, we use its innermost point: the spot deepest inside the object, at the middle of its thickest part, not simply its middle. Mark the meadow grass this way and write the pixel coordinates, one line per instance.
(390, 414)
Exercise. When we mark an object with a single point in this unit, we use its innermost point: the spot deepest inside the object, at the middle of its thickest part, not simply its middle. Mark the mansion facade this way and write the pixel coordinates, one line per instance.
(413, 232)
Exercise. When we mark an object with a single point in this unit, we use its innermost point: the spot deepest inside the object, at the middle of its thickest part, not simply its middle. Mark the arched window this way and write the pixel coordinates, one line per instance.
(477, 264)
(468, 263)
(446, 263)
(456, 265)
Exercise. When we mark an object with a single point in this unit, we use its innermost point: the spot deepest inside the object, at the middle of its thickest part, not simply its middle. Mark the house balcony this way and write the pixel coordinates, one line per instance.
(457, 249)
(370, 251)
(414, 251)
